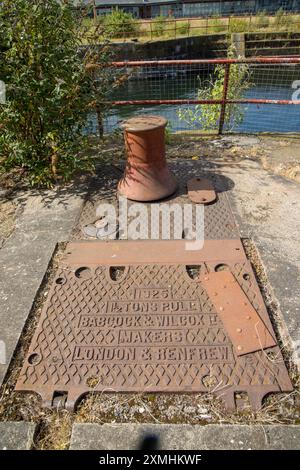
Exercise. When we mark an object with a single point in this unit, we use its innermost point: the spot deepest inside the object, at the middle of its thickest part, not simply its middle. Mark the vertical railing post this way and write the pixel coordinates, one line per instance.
(224, 98)
(95, 11)
(151, 29)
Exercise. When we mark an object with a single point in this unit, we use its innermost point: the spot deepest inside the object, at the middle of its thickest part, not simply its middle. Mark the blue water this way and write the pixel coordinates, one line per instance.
(267, 83)
(270, 117)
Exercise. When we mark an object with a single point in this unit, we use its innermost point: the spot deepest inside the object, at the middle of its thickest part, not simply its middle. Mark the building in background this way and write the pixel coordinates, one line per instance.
(144, 9)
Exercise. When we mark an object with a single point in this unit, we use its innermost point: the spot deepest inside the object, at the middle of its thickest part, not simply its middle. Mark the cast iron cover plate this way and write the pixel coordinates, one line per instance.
(245, 328)
(218, 217)
(201, 191)
(126, 316)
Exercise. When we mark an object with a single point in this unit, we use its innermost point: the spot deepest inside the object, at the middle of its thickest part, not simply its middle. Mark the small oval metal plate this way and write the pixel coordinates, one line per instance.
(201, 191)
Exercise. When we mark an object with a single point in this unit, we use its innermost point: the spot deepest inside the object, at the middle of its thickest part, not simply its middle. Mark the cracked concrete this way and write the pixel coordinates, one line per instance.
(16, 436)
(185, 437)
(267, 208)
(47, 218)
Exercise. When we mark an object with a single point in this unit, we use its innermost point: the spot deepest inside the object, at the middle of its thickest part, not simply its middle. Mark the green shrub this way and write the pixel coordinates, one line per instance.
(183, 28)
(296, 24)
(168, 134)
(279, 18)
(262, 21)
(120, 24)
(290, 22)
(207, 116)
(216, 26)
(285, 21)
(158, 26)
(238, 25)
(51, 89)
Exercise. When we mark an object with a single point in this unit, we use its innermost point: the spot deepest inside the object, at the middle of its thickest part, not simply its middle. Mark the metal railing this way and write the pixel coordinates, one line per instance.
(268, 103)
(167, 27)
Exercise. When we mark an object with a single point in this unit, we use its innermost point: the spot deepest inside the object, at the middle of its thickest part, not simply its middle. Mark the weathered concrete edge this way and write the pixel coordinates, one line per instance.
(185, 437)
(277, 266)
(16, 435)
(26, 255)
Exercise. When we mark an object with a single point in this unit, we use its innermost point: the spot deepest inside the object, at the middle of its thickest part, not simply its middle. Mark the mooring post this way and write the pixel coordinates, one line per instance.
(147, 176)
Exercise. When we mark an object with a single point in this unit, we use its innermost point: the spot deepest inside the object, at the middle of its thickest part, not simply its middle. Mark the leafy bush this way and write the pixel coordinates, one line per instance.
(168, 134)
(170, 30)
(216, 26)
(183, 28)
(262, 21)
(238, 25)
(158, 26)
(120, 24)
(284, 20)
(50, 89)
(279, 18)
(207, 116)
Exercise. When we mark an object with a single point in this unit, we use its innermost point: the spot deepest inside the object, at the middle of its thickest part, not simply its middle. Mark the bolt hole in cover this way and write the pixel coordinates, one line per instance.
(246, 276)
(116, 273)
(34, 359)
(193, 271)
(92, 381)
(221, 267)
(60, 280)
(272, 355)
(209, 381)
(83, 273)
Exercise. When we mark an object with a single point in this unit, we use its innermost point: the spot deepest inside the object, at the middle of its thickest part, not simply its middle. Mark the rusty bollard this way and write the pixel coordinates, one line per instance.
(146, 177)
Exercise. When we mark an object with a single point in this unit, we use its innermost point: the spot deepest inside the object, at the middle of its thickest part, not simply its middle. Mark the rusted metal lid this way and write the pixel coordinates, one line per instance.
(132, 252)
(148, 327)
(201, 191)
(144, 123)
(242, 322)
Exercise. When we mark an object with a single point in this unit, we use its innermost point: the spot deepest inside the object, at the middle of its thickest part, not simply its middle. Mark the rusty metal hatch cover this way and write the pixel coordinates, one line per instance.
(133, 317)
(201, 191)
(219, 220)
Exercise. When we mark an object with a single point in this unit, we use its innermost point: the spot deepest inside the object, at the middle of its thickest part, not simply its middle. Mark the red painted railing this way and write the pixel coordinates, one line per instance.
(224, 100)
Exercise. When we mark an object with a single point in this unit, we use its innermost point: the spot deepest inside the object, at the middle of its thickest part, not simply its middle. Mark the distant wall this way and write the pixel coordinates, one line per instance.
(209, 47)
(272, 44)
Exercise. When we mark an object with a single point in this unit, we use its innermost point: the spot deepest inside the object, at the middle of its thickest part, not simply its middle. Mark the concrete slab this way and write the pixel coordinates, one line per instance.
(283, 438)
(130, 436)
(47, 218)
(267, 208)
(185, 437)
(16, 436)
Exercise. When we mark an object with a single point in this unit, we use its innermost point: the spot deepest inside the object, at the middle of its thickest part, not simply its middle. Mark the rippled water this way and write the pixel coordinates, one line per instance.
(266, 83)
